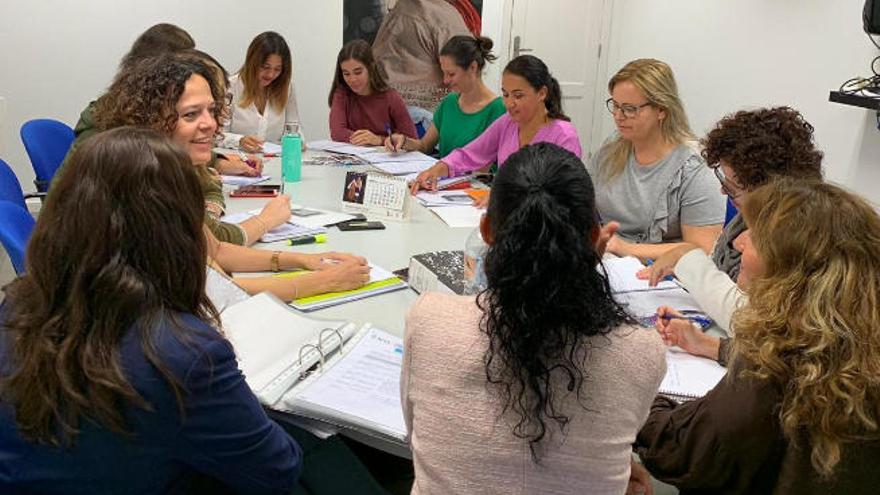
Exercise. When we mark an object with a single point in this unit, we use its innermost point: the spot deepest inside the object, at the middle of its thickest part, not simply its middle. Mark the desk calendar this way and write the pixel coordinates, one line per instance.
(376, 195)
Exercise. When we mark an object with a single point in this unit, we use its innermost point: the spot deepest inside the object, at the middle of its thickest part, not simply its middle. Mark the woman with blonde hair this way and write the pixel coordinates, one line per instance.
(263, 96)
(649, 176)
(805, 373)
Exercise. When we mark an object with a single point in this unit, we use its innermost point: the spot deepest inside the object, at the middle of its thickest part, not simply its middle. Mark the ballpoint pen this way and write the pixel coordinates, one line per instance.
(246, 159)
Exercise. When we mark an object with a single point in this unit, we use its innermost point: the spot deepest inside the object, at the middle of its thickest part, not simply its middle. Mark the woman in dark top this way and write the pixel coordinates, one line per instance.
(113, 376)
(800, 408)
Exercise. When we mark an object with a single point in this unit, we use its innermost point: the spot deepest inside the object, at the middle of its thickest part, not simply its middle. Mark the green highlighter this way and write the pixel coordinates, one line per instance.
(307, 239)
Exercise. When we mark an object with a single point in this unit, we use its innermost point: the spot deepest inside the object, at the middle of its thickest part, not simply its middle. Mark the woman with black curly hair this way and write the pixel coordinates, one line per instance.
(542, 377)
(745, 150)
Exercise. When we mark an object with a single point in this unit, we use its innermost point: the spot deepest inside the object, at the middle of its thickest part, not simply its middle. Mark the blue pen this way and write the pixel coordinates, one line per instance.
(668, 278)
(702, 320)
(388, 133)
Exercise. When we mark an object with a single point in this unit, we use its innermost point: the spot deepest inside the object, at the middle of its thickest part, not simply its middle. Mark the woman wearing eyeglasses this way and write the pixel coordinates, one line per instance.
(745, 150)
(649, 177)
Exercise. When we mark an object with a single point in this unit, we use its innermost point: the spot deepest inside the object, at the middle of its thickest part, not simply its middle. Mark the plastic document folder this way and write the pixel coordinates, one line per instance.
(689, 377)
(357, 388)
(381, 281)
(275, 345)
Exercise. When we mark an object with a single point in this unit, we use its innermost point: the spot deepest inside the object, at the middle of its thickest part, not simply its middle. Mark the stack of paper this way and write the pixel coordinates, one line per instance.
(279, 233)
(316, 217)
(241, 180)
(337, 147)
(381, 281)
(459, 216)
(270, 148)
(444, 198)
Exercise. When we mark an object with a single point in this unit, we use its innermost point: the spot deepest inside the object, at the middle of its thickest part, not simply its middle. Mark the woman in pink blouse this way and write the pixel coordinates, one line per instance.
(364, 110)
(534, 115)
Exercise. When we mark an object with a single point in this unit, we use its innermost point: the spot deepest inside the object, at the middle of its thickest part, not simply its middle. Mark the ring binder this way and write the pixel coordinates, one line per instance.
(320, 364)
(332, 331)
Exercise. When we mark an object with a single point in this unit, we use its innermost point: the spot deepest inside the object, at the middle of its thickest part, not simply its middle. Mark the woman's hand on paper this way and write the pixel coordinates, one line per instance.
(429, 179)
(234, 165)
(364, 137)
(674, 330)
(325, 261)
(346, 275)
(664, 265)
(395, 142)
(251, 144)
(276, 211)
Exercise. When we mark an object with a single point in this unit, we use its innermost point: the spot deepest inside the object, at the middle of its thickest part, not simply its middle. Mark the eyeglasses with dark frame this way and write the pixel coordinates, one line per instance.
(730, 188)
(628, 111)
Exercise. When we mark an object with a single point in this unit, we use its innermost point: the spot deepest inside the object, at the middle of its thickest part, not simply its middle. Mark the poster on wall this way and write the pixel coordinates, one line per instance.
(407, 36)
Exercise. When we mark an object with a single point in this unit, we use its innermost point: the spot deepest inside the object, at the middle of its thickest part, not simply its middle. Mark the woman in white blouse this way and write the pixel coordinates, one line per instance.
(263, 97)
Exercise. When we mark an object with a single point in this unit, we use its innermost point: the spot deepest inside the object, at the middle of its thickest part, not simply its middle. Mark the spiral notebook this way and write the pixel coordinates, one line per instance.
(276, 346)
(689, 377)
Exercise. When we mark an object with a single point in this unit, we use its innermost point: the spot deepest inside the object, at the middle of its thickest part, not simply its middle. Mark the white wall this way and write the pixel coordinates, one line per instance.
(57, 55)
(729, 55)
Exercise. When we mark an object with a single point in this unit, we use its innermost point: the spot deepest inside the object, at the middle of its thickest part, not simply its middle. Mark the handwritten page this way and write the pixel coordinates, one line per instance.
(404, 168)
(690, 376)
(645, 303)
(622, 275)
(281, 232)
(338, 147)
(363, 384)
(270, 148)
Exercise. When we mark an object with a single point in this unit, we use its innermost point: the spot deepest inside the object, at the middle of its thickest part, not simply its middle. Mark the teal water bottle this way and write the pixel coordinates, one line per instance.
(291, 153)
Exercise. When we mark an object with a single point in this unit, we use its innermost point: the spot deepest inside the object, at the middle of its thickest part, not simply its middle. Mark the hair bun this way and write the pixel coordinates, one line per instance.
(485, 44)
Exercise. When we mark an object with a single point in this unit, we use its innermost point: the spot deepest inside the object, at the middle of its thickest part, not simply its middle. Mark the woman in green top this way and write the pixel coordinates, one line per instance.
(466, 112)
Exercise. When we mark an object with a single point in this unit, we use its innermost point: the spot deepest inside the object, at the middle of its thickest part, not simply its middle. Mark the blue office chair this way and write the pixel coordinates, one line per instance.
(730, 213)
(46, 142)
(16, 225)
(10, 189)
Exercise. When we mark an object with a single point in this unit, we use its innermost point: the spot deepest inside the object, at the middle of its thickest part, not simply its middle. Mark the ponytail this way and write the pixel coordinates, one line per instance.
(553, 102)
(535, 71)
(544, 294)
(465, 50)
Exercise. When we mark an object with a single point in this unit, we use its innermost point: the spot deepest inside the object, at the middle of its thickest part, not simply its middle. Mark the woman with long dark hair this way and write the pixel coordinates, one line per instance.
(364, 110)
(540, 383)
(534, 115)
(263, 96)
(114, 375)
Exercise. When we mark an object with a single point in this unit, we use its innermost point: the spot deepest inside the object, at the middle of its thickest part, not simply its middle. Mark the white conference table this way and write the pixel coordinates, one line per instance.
(321, 187)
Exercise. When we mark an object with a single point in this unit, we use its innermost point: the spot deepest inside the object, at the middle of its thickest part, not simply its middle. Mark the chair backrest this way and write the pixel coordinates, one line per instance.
(16, 225)
(10, 188)
(730, 213)
(47, 142)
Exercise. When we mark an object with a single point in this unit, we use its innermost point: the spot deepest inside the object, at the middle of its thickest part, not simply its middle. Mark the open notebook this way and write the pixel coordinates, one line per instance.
(381, 281)
(688, 376)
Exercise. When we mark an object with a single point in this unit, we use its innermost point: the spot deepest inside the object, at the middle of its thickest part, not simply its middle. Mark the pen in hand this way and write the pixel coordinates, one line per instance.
(245, 158)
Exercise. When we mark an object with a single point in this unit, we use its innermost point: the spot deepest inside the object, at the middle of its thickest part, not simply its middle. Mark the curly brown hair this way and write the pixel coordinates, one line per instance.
(761, 144)
(146, 94)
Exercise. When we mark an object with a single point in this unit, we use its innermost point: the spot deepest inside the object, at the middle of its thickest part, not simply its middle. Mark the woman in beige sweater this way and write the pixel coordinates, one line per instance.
(540, 384)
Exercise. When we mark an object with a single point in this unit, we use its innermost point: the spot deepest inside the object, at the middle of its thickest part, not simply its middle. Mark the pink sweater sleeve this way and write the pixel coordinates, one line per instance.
(339, 130)
(478, 153)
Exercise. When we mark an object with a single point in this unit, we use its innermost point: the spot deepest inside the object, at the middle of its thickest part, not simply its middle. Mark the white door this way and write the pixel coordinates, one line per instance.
(568, 35)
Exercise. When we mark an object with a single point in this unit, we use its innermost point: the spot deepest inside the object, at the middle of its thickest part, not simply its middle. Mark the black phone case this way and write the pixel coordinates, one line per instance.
(360, 225)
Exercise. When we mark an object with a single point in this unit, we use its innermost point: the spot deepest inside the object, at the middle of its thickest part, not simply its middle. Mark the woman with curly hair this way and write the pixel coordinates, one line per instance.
(183, 95)
(799, 411)
(745, 150)
(540, 383)
(179, 95)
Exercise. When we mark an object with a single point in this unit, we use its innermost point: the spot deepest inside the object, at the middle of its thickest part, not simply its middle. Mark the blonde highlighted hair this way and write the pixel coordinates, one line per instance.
(812, 324)
(264, 45)
(656, 82)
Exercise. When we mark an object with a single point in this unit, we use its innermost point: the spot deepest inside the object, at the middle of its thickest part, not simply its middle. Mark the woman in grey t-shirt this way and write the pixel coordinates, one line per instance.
(649, 176)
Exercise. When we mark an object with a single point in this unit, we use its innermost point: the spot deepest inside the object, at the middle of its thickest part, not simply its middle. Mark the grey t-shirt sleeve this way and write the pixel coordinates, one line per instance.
(702, 202)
